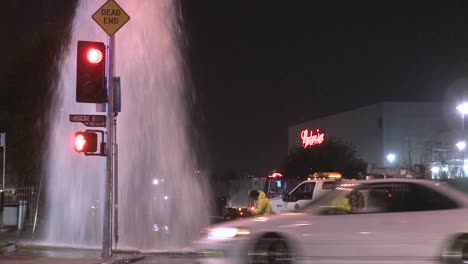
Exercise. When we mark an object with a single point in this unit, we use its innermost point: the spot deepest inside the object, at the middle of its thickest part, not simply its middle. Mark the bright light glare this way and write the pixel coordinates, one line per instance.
(227, 232)
(391, 157)
(461, 145)
(463, 108)
(166, 197)
(435, 169)
(223, 232)
(94, 55)
(155, 181)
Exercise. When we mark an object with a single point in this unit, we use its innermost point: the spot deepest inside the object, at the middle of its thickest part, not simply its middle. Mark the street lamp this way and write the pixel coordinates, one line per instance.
(391, 157)
(463, 109)
(461, 145)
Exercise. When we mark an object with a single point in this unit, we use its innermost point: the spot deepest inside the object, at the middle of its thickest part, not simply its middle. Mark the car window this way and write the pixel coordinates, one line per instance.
(386, 197)
(330, 185)
(303, 192)
(425, 199)
(402, 197)
(275, 188)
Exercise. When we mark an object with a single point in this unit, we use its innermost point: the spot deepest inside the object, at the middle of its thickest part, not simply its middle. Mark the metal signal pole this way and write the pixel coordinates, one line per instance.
(3, 142)
(107, 225)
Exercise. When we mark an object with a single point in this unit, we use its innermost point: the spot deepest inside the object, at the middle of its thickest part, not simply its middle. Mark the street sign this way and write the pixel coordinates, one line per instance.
(90, 120)
(2, 139)
(111, 17)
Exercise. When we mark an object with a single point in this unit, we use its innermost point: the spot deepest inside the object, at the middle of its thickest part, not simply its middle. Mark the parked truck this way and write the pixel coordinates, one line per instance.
(306, 192)
(274, 185)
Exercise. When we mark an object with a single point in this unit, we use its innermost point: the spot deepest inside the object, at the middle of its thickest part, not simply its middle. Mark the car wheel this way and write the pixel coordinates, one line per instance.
(270, 250)
(457, 252)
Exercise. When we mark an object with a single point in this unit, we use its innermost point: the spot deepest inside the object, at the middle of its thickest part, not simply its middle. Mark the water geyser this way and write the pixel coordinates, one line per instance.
(162, 202)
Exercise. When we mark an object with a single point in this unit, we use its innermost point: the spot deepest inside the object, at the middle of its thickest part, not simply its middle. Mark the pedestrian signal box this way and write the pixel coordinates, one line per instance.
(86, 142)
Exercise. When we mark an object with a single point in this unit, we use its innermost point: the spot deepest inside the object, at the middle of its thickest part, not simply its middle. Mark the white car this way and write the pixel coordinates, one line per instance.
(368, 221)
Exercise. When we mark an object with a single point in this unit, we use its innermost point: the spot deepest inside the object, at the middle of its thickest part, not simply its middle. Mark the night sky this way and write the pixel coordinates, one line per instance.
(259, 66)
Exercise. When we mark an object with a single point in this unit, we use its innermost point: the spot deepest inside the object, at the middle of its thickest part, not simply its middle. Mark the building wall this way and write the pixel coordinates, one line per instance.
(407, 126)
(359, 127)
(376, 130)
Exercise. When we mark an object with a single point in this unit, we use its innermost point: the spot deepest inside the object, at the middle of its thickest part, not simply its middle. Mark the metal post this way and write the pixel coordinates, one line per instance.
(116, 187)
(37, 205)
(116, 109)
(4, 160)
(107, 225)
(463, 150)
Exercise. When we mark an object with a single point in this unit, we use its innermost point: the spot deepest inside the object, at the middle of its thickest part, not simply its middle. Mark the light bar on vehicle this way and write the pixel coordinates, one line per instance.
(275, 175)
(325, 175)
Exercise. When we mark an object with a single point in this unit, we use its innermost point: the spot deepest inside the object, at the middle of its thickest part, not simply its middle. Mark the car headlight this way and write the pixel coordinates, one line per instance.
(227, 232)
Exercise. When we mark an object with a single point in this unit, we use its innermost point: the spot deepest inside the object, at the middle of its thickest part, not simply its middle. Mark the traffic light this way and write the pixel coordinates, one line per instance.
(90, 72)
(86, 142)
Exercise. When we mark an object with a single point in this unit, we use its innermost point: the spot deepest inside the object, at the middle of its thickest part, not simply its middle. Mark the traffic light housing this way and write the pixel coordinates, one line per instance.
(90, 72)
(86, 142)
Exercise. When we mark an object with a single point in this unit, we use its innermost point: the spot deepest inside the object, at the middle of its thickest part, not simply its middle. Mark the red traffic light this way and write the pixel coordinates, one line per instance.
(94, 55)
(85, 142)
(90, 72)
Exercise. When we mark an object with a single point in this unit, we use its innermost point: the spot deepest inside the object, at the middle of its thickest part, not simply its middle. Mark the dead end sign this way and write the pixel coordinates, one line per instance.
(111, 17)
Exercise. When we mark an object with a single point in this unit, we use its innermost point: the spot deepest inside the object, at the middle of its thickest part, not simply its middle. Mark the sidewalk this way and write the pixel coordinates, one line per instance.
(9, 253)
(10, 235)
(16, 247)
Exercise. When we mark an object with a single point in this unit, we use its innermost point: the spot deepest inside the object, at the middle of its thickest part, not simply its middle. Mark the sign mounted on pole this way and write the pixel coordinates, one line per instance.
(111, 17)
(90, 120)
(2, 139)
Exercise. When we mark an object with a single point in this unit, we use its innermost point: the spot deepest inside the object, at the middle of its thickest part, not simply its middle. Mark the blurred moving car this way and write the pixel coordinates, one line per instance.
(368, 221)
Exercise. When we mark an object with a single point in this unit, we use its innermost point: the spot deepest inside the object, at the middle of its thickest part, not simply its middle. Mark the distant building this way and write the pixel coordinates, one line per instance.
(385, 134)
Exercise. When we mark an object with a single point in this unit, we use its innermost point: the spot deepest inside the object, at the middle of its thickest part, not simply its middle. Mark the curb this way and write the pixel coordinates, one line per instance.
(127, 260)
(10, 247)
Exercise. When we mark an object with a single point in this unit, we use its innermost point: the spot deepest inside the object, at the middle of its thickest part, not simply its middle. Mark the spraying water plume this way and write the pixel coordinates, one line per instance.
(162, 201)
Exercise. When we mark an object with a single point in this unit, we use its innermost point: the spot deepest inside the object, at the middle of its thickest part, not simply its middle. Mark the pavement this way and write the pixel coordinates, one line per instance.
(12, 251)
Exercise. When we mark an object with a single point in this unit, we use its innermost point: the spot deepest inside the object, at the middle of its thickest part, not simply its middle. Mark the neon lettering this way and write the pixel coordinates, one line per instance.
(311, 139)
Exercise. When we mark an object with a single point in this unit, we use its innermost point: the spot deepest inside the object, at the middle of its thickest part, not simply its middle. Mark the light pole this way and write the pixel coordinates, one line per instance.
(391, 158)
(463, 109)
(461, 146)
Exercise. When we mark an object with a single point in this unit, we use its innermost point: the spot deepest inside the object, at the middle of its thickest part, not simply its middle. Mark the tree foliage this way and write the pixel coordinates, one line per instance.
(331, 155)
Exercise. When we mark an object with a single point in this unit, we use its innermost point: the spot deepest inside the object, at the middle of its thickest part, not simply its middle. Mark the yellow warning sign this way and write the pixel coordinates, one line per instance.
(111, 17)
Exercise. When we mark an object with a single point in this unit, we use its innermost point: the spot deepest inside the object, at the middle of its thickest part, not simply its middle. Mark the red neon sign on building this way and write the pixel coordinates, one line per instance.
(311, 139)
